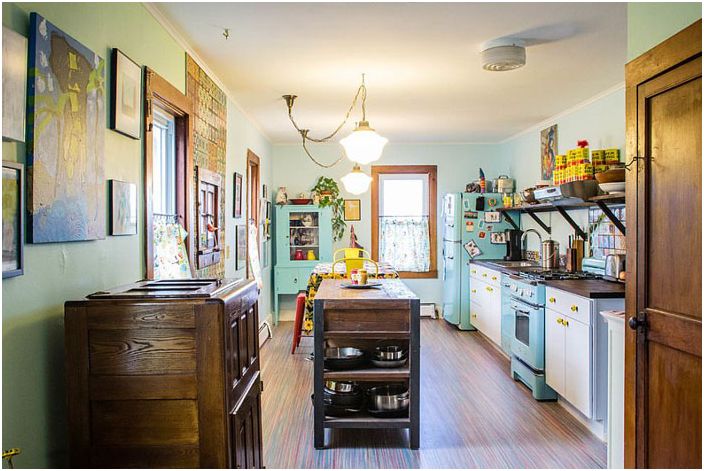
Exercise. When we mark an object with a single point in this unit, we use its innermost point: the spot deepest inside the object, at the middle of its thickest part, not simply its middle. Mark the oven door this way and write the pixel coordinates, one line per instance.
(528, 340)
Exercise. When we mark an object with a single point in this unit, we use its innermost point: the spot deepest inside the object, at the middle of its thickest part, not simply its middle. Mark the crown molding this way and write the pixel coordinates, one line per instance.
(551, 120)
(176, 34)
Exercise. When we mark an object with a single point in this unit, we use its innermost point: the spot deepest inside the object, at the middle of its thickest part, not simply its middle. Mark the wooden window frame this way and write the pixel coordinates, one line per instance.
(158, 91)
(252, 205)
(432, 172)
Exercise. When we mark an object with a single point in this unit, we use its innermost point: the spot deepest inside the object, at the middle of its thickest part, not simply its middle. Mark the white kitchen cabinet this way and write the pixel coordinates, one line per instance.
(485, 302)
(554, 351)
(576, 350)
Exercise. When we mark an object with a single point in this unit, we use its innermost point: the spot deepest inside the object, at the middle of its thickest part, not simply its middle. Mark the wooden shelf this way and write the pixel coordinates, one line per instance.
(370, 374)
(366, 420)
(611, 198)
(376, 334)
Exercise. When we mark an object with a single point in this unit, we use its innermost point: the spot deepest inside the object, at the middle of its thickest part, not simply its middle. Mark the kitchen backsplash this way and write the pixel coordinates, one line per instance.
(605, 237)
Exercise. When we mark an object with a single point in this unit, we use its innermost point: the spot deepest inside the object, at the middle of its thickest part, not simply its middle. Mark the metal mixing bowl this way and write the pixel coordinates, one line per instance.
(391, 352)
(341, 386)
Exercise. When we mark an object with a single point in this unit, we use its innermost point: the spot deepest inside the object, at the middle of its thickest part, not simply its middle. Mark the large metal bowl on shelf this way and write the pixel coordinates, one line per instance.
(342, 358)
(581, 189)
(389, 397)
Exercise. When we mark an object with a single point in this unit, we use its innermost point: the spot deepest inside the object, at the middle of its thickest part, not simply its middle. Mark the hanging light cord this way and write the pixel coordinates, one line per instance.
(361, 91)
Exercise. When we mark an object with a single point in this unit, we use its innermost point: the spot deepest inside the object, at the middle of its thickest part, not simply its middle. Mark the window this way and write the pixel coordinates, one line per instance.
(164, 158)
(403, 218)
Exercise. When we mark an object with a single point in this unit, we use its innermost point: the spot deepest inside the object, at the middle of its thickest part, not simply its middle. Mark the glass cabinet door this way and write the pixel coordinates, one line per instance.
(304, 235)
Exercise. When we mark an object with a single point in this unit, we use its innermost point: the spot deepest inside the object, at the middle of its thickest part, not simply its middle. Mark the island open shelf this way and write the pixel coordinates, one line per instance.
(364, 318)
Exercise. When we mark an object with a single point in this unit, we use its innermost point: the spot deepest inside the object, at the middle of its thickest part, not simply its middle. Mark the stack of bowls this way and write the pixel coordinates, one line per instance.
(390, 356)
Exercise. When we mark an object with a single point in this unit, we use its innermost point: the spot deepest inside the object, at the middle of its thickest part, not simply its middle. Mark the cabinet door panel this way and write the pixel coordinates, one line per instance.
(494, 312)
(554, 351)
(246, 432)
(578, 356)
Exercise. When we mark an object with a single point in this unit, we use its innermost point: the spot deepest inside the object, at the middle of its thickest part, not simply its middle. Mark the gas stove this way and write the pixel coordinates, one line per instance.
(551, 274)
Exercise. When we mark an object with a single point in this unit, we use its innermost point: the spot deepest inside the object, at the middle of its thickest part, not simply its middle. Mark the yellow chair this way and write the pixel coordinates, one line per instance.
(361, 265)
(354, 258)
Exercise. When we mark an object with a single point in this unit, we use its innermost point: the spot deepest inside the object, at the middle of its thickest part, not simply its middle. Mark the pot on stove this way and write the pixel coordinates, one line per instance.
(550, 254)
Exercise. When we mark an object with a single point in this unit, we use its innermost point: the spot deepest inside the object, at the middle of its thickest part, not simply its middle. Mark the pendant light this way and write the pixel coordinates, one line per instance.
(356, 182)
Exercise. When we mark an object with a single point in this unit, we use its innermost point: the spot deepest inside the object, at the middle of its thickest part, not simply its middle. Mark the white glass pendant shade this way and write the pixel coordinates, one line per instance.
(364, 145)
(356, 182)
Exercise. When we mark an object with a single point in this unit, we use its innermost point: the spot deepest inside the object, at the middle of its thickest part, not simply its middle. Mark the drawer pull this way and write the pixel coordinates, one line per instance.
(565, 322)
(489, 289)
(559, 320)
(493, 278)
(574, 308)
(473, 271)
(552, 300)
(484, 275)
(474, 291)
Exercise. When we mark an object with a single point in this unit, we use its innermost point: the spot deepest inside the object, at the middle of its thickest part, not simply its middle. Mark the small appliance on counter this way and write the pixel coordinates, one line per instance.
(594, 265)
(513, 245)
(614, 265)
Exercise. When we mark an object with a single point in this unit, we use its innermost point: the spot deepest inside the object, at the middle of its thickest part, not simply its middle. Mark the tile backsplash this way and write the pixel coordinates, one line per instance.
(604, 236)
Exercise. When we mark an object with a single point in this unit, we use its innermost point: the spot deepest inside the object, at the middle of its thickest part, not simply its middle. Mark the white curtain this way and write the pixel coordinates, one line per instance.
(404, 242)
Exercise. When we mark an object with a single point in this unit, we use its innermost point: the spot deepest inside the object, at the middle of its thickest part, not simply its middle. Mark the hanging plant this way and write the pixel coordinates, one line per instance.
(329, 193)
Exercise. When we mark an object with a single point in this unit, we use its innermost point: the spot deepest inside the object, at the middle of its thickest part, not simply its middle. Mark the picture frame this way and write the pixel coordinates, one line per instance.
(548, 151)
(237, 196)
(492, 216)
(265, 191)
(126, 93)
(240, 247)
(12, 219)
(267, 221)
(14, 85)
(353, 210)
(123, 208)
(497, 238)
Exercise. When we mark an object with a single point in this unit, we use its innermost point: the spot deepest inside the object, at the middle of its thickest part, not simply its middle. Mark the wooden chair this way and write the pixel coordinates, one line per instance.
(298, 322)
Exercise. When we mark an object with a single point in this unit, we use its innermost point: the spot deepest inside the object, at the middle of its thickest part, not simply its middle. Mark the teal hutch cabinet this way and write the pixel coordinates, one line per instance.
(303, 239)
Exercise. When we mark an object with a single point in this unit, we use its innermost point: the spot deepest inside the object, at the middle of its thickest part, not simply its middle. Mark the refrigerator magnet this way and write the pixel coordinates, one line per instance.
(469, 226)
(482, 234)
(492, 202)
(498, 237)
(471, 215)
(492, 216)
(472, 249)
(489, 228)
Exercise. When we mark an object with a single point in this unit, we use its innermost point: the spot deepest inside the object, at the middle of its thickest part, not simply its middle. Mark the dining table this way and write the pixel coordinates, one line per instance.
(324, 270)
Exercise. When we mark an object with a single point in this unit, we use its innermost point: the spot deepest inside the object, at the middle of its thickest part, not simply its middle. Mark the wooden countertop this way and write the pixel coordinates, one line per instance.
(392, 294)
(595, 289)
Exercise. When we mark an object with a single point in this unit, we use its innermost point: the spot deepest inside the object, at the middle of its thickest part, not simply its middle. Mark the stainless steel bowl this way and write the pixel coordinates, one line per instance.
(341, 386)
(339, 353)
(390, 397)
(390, 352)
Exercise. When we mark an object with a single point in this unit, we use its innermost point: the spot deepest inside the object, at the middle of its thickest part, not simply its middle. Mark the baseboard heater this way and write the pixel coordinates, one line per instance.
(428, 310)
(264, 333)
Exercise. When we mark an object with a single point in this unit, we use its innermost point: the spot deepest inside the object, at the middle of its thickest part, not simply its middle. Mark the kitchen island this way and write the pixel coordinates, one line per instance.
(365, 319)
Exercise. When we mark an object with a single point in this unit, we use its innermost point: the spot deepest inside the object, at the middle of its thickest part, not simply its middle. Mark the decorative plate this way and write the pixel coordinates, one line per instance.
(370, 284)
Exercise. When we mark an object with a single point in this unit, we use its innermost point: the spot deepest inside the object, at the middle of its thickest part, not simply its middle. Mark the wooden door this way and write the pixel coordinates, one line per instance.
(246, 431)
(554, 351)
(663, 303)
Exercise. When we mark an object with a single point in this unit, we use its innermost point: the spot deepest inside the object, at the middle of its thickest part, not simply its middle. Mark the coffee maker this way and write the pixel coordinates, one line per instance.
(513, 244)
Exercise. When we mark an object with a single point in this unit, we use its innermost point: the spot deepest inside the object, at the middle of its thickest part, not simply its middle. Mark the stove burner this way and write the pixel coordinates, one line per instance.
(541, 275)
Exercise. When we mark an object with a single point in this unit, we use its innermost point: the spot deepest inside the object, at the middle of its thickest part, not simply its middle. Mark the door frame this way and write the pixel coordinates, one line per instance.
(157, 90)
(253, 178)
(680, 48)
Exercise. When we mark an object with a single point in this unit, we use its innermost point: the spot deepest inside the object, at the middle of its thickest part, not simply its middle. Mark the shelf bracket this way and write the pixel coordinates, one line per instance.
(510, 220)
(612, 217)
(571, 222)
(540, 222)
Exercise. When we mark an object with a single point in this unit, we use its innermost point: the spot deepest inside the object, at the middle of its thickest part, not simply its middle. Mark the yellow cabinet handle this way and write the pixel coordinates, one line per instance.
(484, 275)
(489, 289)
(474, 291)
(474, 271)
(574, 308)
(552, 300)
(473, 315)
(559, 320)
(493, 278)
(565, 322)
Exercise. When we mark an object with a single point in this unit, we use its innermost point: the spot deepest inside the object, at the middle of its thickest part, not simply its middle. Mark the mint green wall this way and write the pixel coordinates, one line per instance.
(458, 164)
(33, 397)
(601, 122)
(651, 23)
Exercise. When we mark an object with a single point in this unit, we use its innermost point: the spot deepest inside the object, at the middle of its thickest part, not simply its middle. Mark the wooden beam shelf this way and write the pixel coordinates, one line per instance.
(601, 201)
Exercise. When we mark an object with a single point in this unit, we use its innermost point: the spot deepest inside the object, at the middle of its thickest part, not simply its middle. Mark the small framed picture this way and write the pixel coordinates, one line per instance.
(237, 202)
(492, 216)
(472, 249)
(12, 219)
(123, 208)
(126, 95)
(240, 247)
(265, 192)
(498, 237)
(353, 210)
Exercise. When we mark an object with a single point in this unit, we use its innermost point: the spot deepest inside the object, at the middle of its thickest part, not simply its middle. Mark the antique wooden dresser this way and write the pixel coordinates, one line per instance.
(165, 374)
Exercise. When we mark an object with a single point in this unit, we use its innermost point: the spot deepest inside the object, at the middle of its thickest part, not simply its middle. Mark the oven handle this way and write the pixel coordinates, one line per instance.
(521, 301)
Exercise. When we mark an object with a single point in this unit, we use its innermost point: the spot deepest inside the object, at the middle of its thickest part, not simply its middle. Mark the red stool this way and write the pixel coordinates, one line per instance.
(298, 323)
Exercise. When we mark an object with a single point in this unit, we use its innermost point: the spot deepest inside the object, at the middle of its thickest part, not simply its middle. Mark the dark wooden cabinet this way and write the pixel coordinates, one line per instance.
(165, 374)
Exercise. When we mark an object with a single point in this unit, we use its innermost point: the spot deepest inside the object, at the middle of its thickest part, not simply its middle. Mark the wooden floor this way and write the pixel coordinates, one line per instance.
(473, 415)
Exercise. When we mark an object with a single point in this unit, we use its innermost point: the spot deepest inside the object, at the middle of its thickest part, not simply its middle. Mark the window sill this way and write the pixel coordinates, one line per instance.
(416, 274)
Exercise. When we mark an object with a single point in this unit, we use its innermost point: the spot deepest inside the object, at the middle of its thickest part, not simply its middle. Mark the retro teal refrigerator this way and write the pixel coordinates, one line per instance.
(459, 209)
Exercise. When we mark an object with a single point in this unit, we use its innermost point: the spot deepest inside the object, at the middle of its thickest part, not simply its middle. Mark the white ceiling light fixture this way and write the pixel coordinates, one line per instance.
(363, 146)
(356, 182)
(501, 55)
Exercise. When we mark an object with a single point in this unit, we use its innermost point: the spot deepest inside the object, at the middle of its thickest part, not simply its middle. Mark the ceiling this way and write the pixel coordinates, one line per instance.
(424, 79)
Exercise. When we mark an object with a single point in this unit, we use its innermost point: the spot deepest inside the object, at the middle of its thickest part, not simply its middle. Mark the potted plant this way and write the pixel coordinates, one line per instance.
(328, 191)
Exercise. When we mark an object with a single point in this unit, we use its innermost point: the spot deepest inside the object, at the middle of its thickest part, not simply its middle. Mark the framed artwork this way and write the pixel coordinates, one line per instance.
(353, 210)
(12, 219)
(498, 237)
(548, 151)
(237, 202)
(123, 208)
(65, 137)
(126, 94)
(472, 249)
(267, 221)
(240, 247)
(265, 192)
(14, 84)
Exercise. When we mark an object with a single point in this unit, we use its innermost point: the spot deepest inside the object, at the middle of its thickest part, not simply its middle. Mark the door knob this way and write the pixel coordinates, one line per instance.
(635, 322)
